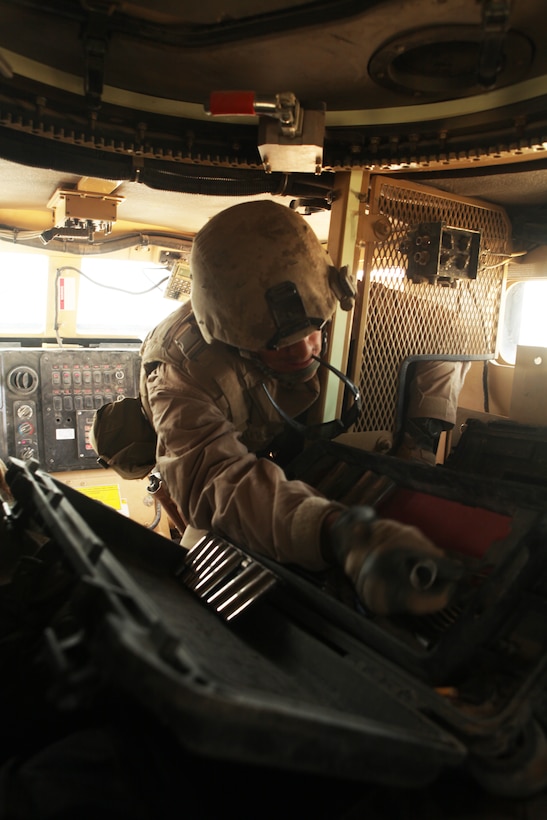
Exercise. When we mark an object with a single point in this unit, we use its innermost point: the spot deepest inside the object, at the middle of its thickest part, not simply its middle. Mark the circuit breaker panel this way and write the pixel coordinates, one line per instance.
(48, 398)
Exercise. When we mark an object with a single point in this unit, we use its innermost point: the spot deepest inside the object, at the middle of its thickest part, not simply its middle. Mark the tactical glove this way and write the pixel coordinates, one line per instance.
(393, 567)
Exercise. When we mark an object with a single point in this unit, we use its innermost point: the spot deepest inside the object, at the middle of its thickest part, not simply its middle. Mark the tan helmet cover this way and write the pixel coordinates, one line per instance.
(238, 256)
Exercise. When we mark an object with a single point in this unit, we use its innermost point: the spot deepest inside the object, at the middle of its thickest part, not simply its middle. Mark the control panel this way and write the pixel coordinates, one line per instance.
(48, 398)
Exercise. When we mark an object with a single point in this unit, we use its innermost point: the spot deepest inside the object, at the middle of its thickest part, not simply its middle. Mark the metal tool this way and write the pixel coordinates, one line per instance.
(224, 577)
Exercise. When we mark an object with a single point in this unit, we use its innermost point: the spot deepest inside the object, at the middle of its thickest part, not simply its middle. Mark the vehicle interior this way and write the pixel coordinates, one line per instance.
(412, 136)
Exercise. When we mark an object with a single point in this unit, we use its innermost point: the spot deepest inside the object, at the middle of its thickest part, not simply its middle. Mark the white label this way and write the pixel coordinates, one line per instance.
(65, 434)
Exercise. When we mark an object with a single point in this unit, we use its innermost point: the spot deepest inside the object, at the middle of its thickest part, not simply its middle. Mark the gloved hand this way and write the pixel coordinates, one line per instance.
(393, 567)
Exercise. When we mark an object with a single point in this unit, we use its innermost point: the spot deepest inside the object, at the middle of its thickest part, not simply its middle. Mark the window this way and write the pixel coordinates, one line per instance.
(23, 293)
(121, 298)
(524, 318)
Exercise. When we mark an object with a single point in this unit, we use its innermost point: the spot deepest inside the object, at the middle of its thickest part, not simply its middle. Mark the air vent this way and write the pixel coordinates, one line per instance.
(23, 380)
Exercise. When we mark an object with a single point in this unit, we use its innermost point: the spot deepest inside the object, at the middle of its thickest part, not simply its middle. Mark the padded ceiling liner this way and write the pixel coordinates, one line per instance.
(452, 92)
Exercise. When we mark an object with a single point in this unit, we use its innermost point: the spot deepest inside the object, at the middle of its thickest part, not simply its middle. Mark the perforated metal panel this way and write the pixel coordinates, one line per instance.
(400, 319)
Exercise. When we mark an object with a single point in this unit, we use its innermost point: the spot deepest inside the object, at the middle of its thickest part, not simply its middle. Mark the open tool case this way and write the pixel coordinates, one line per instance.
(250, 662)
(496, 528)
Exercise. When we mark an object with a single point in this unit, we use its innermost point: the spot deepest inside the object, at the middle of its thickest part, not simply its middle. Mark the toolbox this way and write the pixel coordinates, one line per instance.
(251, 662)
(502, 449)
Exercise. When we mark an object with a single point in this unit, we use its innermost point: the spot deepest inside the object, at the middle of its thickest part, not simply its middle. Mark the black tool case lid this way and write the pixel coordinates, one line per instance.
(498, 528)
(263, 690)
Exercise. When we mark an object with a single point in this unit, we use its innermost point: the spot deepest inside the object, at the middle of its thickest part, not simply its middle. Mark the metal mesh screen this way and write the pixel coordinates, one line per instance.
(402, 319)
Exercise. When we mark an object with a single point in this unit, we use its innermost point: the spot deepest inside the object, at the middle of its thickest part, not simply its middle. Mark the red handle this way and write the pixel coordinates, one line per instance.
(231, 103)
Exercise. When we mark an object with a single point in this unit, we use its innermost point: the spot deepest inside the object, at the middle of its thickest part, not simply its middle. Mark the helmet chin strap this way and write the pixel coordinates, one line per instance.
(328, 429)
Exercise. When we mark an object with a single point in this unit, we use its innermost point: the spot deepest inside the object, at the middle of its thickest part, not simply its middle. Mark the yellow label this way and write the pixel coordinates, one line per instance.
(107, 493)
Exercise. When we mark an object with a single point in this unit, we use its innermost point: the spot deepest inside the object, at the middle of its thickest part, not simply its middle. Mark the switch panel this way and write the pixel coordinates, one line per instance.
(48, 399)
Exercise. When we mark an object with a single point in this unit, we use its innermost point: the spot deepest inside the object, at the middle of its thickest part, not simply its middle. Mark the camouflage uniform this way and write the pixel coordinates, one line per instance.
(212, 416)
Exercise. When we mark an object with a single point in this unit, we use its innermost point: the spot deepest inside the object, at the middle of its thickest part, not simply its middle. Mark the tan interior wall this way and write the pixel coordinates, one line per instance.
(500, 386)
(130, 498)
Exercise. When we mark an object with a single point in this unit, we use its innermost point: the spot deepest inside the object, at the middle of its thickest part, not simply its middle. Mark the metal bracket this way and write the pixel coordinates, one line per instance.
(290, 138)
(95, 43)
(495, 24)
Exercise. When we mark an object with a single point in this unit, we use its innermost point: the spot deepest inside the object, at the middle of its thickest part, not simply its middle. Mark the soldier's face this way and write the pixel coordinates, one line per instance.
(295, 357)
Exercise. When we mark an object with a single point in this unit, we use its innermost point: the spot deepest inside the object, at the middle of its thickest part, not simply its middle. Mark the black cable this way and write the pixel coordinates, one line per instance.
(486, 399)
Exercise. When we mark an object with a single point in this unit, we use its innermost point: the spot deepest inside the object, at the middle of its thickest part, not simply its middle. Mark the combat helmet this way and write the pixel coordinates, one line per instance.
(261, 278)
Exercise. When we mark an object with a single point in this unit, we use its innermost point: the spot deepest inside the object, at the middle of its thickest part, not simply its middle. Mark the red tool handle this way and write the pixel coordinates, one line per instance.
(232, 102)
